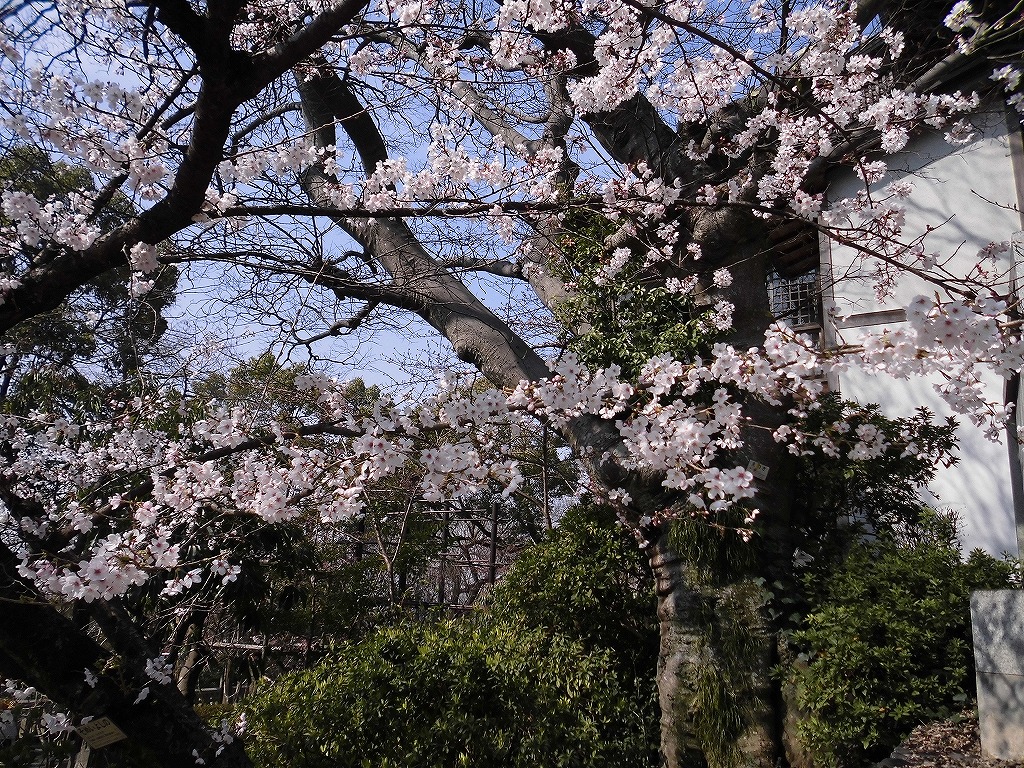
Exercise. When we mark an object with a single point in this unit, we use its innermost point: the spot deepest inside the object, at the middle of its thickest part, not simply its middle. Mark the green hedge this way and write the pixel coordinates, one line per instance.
(589, 581)
(452, 694)
(889, 645)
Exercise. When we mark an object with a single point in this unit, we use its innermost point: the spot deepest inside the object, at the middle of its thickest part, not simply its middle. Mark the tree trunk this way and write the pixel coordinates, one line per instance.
(191, 668)
(719, 707)
(719, 704)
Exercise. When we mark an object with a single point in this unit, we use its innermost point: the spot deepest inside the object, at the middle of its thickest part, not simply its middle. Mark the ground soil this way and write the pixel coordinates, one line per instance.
(952, 743)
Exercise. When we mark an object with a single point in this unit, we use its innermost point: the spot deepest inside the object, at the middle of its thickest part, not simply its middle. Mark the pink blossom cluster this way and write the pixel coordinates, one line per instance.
(228, 459)
(820, 93)
(51, 221)
(958, 341)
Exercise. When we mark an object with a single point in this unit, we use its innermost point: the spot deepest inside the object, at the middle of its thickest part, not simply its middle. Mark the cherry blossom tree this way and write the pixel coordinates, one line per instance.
(352, 159)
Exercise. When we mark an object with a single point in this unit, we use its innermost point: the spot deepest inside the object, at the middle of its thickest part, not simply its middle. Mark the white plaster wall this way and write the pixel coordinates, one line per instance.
(968, 196)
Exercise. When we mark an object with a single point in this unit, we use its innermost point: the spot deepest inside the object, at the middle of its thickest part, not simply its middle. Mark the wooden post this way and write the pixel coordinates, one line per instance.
(443, 558)
(492, 562)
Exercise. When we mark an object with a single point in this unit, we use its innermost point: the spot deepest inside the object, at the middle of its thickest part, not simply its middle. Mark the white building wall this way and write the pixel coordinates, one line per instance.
(968, 196)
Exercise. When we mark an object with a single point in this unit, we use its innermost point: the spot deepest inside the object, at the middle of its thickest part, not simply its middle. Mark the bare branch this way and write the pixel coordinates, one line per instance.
(348, 324)
(500, 267)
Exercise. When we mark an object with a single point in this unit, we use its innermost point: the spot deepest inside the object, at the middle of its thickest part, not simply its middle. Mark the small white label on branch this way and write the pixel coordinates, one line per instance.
(758, 470)
(101, 732)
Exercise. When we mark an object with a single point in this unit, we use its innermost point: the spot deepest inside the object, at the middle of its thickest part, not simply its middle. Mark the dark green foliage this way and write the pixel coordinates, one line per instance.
(588, 581)
(560, 673)
(215, 714)
(889, 644)
(839, 498)
(629, 319)
(628, 326)
(880, 612)
(453, 694)
(55, 360)
(267, 389)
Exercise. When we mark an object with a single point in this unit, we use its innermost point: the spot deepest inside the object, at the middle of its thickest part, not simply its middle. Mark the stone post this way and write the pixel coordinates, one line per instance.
(998, 620)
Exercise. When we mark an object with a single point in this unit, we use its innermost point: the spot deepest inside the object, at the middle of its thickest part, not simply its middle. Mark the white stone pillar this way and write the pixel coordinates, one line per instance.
(998, 620)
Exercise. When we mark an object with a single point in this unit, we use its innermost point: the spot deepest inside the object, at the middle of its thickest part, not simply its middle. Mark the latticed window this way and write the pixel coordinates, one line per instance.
(795, 300)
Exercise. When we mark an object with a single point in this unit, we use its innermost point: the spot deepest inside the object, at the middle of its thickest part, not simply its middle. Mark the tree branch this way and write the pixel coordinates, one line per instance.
(499, 267)
(42, 647)
(476, 334)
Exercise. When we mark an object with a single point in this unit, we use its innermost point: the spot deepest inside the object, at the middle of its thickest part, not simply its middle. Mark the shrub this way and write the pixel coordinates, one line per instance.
(889, 643)
(457, 693)
(840, 495)
(588, 581)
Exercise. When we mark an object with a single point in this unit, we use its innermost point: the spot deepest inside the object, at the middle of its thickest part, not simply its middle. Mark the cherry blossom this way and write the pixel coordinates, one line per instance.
(460, 147)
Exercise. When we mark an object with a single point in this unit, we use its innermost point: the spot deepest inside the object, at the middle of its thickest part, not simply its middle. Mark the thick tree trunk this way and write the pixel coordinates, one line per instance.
(418, 281)
(681, 650)
(719, 706)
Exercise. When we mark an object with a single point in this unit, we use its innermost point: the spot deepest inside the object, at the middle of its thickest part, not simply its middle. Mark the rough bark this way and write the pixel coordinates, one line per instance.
(680, 650)
(716, 695)
(720, 706)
